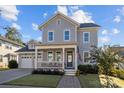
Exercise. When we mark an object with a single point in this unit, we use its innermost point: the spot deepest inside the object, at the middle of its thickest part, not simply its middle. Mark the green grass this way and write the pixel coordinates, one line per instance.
(37, 81)
(97, 81)
(2, 69)
(90, 81)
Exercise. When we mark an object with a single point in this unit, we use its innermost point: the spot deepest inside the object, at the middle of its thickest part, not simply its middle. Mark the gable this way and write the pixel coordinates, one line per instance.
(62, 16)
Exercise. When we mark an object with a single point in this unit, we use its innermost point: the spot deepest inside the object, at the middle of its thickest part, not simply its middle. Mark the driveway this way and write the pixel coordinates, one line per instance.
(9, 75)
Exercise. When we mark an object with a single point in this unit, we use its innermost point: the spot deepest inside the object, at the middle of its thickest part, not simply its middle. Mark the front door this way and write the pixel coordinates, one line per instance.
(69, 59)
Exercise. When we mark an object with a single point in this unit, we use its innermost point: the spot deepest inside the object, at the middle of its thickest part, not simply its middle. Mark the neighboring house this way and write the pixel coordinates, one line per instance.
(27, 55)
(65, 44)
(120, 49)
(7, 51)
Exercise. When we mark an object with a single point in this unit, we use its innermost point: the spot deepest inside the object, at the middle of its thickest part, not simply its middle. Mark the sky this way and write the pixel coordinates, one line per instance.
(27, 18)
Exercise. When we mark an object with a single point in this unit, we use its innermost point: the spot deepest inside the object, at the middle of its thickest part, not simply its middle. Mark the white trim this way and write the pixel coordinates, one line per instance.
(88, 37)
(48, 36)
(47, 56)
(63, 57)
(76, 33)
(35, 64)
(88, 56)
(64, 34)
(76, 58)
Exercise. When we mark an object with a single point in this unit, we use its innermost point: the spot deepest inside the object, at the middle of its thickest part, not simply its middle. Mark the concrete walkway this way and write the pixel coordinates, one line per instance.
(69, 82)
(8, 75)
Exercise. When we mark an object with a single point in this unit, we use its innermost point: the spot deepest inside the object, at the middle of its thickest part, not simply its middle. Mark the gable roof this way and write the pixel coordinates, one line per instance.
(82, 25)
(25, 49)
(10, 41)
(59, 13)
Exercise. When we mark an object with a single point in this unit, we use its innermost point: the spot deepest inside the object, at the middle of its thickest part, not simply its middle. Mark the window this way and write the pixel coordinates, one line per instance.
(50, 36)
(66, 35)
(0, 44)
(1, 58)
(58, 21)
(86, 56)
(7, 47)
(50, 56)
(86, 37)
(58, 56)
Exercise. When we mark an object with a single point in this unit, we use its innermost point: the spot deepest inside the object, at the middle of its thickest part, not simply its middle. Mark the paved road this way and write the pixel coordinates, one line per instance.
(9, 75)
(69, 82)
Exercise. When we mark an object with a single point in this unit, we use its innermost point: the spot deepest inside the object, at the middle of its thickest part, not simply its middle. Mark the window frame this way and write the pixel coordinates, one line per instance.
(0, 44)
(84, 37)
(57, 56)
(64, 34)
(1, 58)
(48, 36)
(88, 56)
(52, 57)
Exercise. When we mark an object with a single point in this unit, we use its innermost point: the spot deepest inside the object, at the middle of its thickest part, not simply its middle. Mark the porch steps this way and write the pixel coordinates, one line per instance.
(70, 72)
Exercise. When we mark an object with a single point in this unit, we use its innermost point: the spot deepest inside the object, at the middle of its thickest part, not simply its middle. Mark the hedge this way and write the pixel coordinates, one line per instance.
(91, 69)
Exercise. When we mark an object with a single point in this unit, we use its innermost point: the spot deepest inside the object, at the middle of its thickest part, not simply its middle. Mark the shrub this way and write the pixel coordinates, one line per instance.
(48, 71)
(117, 73)
(91, 69)
(13, 64)
(77, 73)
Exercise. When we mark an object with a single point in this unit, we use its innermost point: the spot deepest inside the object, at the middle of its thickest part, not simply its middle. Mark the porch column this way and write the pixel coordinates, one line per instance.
(75, 57)
(63, 56)
(35, 63)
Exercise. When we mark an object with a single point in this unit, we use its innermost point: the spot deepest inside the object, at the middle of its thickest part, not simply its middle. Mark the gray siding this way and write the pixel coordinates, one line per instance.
(58, 30)
(93, 39)
(86, 46)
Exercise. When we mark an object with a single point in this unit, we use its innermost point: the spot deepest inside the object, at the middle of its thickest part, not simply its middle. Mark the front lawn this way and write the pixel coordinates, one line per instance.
(97, 81)
(90, 81)
(37, 81)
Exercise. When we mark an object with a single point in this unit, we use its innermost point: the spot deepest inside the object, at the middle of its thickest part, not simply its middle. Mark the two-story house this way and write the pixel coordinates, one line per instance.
(65, 44)
(7, 50)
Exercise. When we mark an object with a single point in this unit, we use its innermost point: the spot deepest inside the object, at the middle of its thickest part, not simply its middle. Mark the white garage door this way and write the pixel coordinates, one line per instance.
(26, 63)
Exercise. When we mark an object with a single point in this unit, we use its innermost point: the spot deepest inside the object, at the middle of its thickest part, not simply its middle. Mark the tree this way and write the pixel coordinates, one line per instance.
(106, 59)
(13, 34)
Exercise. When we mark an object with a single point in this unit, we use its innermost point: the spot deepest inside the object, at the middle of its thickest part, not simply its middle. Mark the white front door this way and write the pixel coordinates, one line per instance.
(69, 63)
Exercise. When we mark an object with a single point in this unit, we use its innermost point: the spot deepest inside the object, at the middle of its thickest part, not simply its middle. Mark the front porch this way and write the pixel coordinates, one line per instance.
(63, 57)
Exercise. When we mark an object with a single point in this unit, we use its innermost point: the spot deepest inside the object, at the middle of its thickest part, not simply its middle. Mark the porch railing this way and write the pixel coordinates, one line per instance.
(53, 64)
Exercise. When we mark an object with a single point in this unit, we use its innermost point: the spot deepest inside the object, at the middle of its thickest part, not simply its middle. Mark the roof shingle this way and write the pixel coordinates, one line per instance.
(82, 25)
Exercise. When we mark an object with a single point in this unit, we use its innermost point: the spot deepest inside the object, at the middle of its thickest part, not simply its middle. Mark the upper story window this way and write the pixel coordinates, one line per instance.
(86, 37)
(50, 36)
(67, 35)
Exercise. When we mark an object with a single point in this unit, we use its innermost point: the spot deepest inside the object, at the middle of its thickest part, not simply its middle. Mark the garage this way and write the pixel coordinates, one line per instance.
(26, 63)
